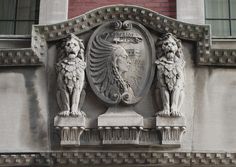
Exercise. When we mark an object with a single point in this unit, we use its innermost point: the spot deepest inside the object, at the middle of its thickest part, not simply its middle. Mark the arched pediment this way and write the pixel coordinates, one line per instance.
(150, 19)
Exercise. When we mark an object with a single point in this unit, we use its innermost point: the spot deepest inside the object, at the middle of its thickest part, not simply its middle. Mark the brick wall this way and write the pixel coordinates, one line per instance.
(165, 7)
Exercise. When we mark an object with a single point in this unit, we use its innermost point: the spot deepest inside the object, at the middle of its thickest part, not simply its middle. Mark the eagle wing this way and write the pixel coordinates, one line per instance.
(101, 69)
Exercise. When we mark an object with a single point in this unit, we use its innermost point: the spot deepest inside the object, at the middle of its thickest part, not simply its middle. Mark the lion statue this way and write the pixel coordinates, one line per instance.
(170, 74)
(71, 76)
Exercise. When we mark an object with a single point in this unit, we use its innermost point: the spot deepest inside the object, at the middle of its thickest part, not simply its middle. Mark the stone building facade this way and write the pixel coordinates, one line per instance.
(138, 83)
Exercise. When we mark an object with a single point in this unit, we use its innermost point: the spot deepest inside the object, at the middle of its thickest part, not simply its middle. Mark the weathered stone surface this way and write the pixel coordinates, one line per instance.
(23, 105)
(214, 116)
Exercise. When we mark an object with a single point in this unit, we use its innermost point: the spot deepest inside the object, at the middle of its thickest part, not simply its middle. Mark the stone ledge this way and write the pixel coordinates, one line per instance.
(127, 158)
(19, 57)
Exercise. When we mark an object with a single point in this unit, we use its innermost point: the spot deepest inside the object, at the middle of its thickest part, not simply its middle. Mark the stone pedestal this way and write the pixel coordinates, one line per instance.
(171, 129)
(120, 125)
(70, 128)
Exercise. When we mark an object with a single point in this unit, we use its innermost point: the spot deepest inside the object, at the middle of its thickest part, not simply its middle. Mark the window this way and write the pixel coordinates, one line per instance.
(17, 16)
(221, 14)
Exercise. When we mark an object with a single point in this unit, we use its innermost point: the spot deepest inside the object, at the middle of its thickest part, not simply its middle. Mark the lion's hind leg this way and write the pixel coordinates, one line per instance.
(75, 101)
(165, 96)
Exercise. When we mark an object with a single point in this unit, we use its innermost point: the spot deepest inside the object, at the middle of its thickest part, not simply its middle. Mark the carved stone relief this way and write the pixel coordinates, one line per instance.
(120, 72)
(120, 69)
(71, 77)
(70, 70)
(170, 80)
(120, 56)
(120, 64)
(170, 75)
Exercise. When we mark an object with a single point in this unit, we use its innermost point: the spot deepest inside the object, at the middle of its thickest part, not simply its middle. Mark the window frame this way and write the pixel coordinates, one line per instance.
(230, 19)
(15, 20)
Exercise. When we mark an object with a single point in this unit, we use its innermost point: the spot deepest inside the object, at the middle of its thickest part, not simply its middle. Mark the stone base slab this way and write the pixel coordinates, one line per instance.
(170, 121)
(120, 117)
(60, 121)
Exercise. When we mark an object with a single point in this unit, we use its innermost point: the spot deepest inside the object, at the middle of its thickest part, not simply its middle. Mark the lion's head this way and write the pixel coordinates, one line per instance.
(169, 46)
(71, 47)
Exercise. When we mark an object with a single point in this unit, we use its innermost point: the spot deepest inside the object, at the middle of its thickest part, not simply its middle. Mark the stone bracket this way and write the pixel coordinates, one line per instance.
(70, 135)
(120, 135)
(71, 128)
(120, 125)
(171, 129)
(171, 135)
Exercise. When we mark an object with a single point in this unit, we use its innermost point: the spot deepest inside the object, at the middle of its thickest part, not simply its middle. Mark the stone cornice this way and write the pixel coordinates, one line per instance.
(19, 57)
(130, 158)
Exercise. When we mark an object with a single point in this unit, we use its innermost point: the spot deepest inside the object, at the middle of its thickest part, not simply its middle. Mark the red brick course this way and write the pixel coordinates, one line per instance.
(165, 7)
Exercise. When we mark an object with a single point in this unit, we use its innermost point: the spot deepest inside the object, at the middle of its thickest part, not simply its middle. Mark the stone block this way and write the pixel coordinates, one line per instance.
(120, 125)
(170, 121)
(60, 121)
(121, 117)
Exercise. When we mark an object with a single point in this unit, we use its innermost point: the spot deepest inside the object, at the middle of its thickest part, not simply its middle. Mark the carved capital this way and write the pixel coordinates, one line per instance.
(71, 128)
(120, 135)
(171, 130)
(71, 135)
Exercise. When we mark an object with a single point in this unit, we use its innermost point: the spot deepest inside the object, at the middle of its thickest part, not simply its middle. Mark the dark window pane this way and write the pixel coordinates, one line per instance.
(23, 27)
(233, 27)
(219, 27)
(27, 9)
(233, 8)
(6, 27)
(217, 9)
(7, 9)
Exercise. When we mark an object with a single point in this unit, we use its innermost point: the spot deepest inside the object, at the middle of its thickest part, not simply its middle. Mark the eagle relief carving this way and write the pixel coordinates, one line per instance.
(70, 70)
(119, 58)
(110, 62)
(170, 74)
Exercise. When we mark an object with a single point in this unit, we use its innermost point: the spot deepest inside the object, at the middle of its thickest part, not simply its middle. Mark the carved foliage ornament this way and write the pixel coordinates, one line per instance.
(120, 56)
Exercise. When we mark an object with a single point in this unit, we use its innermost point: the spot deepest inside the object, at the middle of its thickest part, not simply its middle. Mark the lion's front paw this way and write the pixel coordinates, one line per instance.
(76, 113)
(164, 113)
(175, 113)
(64, 113)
